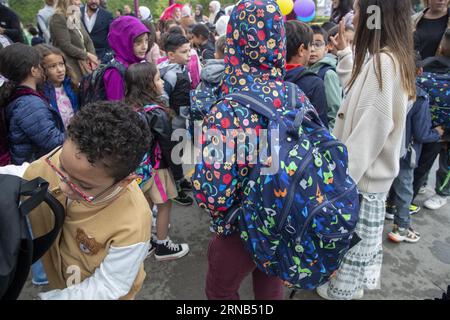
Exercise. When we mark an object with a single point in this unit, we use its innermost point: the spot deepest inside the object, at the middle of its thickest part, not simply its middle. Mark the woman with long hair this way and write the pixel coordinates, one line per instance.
(371, 123)
(342, 9)
(69, 35)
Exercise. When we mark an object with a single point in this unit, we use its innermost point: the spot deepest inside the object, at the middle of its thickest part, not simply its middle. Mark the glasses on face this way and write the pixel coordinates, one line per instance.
(73, 186)
(318, 44)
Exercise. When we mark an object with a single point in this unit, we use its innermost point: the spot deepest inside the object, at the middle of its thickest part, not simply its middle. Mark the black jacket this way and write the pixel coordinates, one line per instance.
(99, 33)
(160, 126)
(11, 23)
(314, 88)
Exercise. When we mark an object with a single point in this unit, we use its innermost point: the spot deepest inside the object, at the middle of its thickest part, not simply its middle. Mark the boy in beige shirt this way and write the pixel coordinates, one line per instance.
(105, 238)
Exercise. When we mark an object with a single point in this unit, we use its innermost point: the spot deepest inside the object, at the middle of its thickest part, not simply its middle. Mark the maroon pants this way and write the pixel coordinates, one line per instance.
(228, 264)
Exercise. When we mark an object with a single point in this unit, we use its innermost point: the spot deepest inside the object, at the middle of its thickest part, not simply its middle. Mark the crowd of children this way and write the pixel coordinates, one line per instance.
(111, 163)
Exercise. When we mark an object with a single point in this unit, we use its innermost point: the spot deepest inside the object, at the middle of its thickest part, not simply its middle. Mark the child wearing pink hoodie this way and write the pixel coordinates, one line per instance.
(128, 37)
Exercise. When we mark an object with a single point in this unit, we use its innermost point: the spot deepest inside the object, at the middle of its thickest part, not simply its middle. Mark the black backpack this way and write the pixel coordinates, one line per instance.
(17, 249)
(92, 87)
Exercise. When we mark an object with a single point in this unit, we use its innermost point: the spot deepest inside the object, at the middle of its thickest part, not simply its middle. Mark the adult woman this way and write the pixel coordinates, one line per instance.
(342, 9)
(371, 123)
(69, 35)
(215, 9)
(430, 25)
(199, 17)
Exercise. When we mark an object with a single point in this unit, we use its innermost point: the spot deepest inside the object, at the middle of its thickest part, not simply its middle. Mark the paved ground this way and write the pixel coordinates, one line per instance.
(410, 271)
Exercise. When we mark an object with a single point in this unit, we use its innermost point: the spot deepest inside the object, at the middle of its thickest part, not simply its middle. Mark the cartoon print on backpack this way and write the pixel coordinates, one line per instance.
(298, 222)
(437, 87)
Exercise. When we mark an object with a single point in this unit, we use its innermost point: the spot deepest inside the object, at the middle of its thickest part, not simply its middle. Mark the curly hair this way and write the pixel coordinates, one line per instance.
(45, 50)
(111, 133)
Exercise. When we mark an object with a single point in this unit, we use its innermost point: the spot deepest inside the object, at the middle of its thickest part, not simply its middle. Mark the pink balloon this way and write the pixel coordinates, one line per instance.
(304, 8)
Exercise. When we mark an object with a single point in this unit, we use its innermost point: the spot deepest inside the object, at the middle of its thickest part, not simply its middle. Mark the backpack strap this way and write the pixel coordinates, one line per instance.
(254, 103)
(158, 182)
(323, 71)
(265, 109)
(151, 107)
(37, 191)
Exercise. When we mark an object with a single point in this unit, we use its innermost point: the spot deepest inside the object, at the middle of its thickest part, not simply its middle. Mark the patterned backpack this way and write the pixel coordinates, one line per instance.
(92, 87)
(298, 223)
(438, 89)
(147, 170)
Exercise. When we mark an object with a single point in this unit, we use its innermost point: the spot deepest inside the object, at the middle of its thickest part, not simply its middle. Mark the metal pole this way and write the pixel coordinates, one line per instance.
(136, 8)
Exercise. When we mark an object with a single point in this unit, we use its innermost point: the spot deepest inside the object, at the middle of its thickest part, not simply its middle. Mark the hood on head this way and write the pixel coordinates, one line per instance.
(122, 33)
(213, 71)
(255, 52)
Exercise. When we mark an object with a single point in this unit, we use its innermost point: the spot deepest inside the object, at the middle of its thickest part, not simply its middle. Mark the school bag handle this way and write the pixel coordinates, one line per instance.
(37, 191)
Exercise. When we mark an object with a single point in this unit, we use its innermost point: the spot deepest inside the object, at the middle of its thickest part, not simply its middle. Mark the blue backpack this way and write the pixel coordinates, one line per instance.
(298, 223)
(436, 85)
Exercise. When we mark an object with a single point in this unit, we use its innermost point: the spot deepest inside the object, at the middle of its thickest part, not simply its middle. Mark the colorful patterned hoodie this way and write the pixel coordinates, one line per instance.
(254, 61)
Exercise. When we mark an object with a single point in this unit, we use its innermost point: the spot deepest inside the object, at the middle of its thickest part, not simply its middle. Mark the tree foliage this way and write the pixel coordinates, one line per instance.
(27, 9)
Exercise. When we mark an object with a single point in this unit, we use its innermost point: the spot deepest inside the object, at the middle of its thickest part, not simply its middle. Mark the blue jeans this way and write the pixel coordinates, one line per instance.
(402, 195)
(37, 269)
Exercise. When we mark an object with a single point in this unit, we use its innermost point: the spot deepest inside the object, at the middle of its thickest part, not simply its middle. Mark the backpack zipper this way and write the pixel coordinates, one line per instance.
(291, 195)
(316, 210)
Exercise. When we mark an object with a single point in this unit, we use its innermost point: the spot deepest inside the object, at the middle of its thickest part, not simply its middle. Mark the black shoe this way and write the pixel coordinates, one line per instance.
(183, 199)
(184, 185)
(170, 250)
(152, 248)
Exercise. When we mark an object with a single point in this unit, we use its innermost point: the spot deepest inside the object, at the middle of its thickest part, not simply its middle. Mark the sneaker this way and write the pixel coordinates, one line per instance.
(435, 202)
(413, 209)
(424, 190)
(390, 211)
(170, 251)
(402, 234)
(183, 199)
(322, 291)
(184, 185)
(152, 248)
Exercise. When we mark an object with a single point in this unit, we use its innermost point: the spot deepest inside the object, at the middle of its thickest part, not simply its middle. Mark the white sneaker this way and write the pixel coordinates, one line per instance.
(435, 202)
(322, 291)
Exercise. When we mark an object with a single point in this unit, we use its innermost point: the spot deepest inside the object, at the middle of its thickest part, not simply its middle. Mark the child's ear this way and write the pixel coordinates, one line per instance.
(300, 50)
(170, 55)
(37, 72)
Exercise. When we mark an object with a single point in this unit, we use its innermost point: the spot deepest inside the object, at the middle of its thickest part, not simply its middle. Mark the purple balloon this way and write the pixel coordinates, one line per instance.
(308, 19)
(304, 8)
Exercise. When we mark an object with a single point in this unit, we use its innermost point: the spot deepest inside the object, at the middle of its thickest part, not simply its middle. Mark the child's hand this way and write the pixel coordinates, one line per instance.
(340, 41)
(440, 131)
